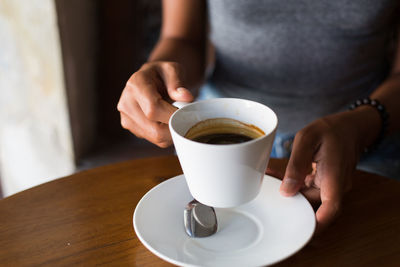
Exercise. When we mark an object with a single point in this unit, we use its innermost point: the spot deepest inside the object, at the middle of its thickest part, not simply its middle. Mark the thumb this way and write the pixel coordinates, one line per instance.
(299, 165)
(172, 75)
(180, 94)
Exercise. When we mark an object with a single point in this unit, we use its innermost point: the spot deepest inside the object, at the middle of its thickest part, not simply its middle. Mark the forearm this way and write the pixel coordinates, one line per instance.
(389, 95)
(191, 56)
(367, 119)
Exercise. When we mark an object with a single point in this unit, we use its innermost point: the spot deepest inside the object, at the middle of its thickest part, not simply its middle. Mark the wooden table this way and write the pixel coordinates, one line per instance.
(86, 219)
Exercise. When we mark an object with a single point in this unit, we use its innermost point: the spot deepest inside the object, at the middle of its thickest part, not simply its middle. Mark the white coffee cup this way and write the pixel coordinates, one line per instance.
(223, 175)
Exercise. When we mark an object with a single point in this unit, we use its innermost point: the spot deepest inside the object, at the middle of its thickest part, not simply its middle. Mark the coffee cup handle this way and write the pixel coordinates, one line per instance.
(180, 104)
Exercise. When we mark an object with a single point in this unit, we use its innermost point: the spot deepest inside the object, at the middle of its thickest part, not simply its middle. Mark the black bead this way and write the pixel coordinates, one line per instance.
(382, 113)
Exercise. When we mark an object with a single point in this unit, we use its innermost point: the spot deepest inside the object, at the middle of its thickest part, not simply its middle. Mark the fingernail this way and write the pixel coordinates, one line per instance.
(181, 90)
(289, 186)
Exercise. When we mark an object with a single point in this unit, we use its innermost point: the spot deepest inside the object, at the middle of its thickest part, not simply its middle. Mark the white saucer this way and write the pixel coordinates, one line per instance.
(264, 231)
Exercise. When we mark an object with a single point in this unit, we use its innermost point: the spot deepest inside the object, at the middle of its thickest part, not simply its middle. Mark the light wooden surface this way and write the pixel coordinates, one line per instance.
(86, 219)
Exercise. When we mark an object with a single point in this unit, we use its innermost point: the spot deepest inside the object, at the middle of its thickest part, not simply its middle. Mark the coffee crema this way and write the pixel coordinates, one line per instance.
(223, 131)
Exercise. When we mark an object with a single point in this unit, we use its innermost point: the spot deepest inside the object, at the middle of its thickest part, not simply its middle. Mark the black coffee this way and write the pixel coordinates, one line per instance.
(222, 138)
(223, 131)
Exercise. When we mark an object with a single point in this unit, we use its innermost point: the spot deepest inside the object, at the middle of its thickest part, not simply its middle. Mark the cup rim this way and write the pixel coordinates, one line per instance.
(267, 134)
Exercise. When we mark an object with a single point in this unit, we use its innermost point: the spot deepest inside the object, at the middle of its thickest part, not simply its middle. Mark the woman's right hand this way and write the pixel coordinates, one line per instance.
(145, 104)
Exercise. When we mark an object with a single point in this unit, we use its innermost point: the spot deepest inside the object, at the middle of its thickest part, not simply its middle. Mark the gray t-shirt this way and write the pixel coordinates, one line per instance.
(303, 58)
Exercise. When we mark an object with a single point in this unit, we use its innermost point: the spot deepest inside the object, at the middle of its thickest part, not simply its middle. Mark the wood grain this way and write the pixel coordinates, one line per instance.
(86, 219)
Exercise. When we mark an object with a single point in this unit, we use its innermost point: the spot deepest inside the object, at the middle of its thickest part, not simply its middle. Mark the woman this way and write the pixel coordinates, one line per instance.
(307, 60)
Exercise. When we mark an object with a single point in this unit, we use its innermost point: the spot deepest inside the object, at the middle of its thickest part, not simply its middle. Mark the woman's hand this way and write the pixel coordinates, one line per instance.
(324, 157)
(145, 103)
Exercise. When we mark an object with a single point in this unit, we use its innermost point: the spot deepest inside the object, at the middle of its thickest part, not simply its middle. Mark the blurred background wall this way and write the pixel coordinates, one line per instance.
(35, 138)
(63, 65)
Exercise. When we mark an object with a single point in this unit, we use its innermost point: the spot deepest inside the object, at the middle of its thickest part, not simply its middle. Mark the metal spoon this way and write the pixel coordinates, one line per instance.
(200, 220)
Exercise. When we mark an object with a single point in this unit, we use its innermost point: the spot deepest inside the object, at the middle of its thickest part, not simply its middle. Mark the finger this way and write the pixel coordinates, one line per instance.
(128, 124)
(134, 120)
(145, 90)
(172, 75)
(312, 194)
(160, 135)
(157, 133)
(305, 146)
(128, 106)
(311, 190)
(326, 214)
(309, 181)
(330, 171)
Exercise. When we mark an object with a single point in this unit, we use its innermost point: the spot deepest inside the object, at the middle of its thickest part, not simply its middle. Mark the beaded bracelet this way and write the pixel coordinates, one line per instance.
(382, 113)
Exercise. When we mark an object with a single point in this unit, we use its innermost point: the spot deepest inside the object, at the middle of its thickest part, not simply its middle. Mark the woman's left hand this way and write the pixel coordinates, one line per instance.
(324, 156)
